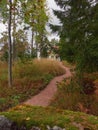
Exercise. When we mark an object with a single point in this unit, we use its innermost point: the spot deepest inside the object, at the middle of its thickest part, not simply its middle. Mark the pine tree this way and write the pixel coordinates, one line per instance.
(77, 32)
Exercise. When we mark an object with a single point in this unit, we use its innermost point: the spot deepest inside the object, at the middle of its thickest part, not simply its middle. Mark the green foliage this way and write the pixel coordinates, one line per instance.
(36, 116)
(31, 16)
(67, 52)
(71, 95)
(68, 90)
(69, 65)
(78, 33)
(35, 16)
(21, 46)
(3, 10)
(2, 101)
(29, 78)
(47, 78)
(15, 100)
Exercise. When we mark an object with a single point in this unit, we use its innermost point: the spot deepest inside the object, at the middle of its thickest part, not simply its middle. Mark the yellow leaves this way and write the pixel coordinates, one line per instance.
(28, 118)
(20, 107)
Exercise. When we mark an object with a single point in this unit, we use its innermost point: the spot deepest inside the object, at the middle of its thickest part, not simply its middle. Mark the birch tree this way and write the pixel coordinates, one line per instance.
(10, 45)
(35, 17)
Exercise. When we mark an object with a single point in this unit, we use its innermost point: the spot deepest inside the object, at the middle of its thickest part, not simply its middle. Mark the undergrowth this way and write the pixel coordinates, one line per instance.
(69, 65)
(41, 117)
(29, 78)
(71, 96)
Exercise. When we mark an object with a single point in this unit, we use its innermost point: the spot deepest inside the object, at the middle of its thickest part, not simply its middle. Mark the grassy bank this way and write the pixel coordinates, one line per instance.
(41, 117)
(29, 78)
(73, 96)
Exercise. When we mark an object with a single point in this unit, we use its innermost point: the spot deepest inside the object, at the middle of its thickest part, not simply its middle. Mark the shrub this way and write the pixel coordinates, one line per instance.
(88, 86)
(68, 90)
(70, 96)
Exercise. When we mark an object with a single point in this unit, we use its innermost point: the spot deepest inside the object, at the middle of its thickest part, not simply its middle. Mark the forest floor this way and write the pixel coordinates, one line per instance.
(34, 111)
(45, 96)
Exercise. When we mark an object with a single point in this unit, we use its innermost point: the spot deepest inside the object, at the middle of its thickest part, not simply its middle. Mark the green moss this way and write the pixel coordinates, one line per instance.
(91, 119)
(39, 116)
(72, 128)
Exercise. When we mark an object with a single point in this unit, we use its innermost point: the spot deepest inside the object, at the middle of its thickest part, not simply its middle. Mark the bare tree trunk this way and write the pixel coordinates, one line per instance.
(32, 43)
(14, 31)
(10, 45)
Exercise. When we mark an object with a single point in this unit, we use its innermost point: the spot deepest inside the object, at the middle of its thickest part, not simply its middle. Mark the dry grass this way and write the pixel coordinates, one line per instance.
(29, 78)
(70, 96)
(49, 66)
(3, 71)
(36, 69)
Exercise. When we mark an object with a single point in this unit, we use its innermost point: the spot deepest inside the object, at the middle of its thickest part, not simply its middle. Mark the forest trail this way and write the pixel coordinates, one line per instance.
(45, 96)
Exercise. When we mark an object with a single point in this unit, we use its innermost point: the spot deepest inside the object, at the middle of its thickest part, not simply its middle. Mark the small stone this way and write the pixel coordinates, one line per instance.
(49, 128)
(55, 128)
(5, 124)
(58, 128)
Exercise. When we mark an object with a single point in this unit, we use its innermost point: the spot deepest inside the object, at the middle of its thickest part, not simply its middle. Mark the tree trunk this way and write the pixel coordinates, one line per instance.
(32, 43)
(10, 45)
(14, 31)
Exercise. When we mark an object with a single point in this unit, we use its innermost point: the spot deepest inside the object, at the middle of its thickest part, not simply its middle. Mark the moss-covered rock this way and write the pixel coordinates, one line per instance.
(41, 117)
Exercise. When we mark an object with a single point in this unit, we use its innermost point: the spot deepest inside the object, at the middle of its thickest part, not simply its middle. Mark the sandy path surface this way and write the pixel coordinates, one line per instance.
(45, 96)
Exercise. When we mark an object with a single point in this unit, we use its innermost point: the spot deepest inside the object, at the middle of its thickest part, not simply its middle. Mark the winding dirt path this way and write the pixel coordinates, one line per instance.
(45, 96)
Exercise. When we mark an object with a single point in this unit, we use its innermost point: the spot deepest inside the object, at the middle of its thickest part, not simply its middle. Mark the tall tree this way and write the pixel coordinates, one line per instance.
(10, 45)
(14, 9)
(35, 17)
(77, 32)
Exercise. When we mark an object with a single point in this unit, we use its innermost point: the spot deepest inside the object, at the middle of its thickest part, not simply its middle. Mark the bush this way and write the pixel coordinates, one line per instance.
(88, 86)
(66, 98)
(70, 96)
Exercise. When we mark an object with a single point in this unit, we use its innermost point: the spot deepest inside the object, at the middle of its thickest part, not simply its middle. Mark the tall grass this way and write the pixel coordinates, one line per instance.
(70, 96)
(37, 68)
(3, 71)
(29, 78)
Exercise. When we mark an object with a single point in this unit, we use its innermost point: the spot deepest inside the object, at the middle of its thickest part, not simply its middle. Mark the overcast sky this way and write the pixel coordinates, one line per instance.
(53, 19)
(52, 5)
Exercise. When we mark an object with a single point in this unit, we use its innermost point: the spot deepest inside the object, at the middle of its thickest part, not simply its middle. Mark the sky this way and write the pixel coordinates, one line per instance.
(2, 28)
(53, 19)
(51, 5)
